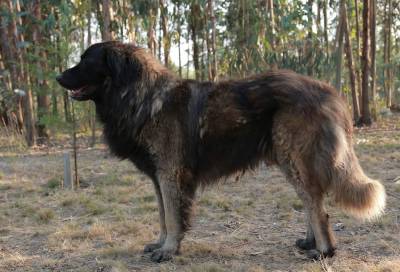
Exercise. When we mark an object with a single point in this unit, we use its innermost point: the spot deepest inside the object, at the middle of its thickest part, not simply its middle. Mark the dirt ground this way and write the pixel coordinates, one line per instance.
(249, 224)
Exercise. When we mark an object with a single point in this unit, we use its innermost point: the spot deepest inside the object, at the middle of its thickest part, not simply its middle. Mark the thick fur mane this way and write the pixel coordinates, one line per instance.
(136, 90)
(141, 84)
(139, 80)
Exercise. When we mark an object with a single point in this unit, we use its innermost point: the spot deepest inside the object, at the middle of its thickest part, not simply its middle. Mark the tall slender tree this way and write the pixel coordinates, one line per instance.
(214, 67)
(166, 35)
(358, 50)
(388, 51)
(194, 23)
(365, 113)
(373, 55)
(107, 12)
(8, 55)
(24, 76)
(339, 47)
(43, 102)
(350, 64)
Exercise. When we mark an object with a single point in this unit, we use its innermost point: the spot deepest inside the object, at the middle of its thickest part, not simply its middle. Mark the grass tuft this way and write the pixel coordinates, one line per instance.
(45, 215)
(53, 183)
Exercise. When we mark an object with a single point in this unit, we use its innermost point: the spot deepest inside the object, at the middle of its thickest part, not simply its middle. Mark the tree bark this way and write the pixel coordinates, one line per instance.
(166, 35)
(339, 48)
(365, 114)
(27, 101)
(214, 67)
(179, 29)
(325, 10)
(107, 33)
(270, 4)
(151, 33)
(194, 12)
(373, 56)
(92, 107)
(358, 54)
(388, 51)
(159, 40)
(10, 64)
(206, 37)
(309, 43)
(43, 102)
(350, 63)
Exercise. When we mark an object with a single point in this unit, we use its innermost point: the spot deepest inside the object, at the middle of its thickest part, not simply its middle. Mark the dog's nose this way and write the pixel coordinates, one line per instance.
(58, 78)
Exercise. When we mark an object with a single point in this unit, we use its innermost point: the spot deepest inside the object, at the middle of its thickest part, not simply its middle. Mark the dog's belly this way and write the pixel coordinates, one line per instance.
(235, 151)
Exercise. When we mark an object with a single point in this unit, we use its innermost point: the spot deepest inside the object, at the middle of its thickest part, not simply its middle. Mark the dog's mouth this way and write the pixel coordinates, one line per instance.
(80, 93)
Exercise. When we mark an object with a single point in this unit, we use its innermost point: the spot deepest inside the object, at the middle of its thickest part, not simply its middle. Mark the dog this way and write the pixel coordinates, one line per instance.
(186, 134)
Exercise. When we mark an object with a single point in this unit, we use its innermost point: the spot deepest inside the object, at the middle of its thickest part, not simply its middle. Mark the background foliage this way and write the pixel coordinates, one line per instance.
(202, 39)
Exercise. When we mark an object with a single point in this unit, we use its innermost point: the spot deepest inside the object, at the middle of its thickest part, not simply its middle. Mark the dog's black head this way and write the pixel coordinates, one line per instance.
(100, 62)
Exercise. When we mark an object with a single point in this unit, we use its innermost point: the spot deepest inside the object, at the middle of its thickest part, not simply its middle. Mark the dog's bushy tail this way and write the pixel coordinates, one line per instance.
(361, 196)
(357, 194)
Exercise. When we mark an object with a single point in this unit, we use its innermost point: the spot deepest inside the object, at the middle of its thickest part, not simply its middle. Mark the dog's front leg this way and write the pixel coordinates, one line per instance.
(177, 200)
(163, 229)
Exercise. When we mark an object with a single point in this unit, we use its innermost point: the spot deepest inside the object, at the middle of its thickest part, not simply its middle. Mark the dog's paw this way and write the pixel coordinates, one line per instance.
(306, 244)
(317, 255)
(151, 247)
(162, 255)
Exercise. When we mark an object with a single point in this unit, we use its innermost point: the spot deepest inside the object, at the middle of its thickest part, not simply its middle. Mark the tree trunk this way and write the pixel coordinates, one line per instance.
(54, 99)
(309, 44)
(214, 68)
(202, 57)
(195, 11)
(92, 106)
(107, 33)
(387, 52)
(166, 35)
(350, 63)
(325, 10)
(206, 37)
(188, 57)
(365, 114)
(179, 29)
(318, 21)
(131, 29)
(373, 56)
(339, 48)
(10, 64)
(270, 5)
(27, 101)
(43, 102)
(159, 40)
(151, 33)
(358, 55)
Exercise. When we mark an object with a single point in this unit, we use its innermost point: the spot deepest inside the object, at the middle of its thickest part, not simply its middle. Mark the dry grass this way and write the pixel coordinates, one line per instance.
(246, 225)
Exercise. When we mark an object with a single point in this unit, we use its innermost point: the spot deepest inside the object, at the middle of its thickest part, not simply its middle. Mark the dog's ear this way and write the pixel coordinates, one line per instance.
(123, 68)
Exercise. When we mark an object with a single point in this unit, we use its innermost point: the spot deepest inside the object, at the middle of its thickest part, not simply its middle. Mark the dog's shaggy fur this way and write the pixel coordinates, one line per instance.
(185, 133)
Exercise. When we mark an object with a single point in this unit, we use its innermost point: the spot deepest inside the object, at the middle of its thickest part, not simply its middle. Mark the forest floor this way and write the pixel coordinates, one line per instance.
(249, 224)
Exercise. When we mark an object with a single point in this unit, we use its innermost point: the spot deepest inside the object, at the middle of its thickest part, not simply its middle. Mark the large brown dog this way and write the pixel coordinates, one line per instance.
(185, 133)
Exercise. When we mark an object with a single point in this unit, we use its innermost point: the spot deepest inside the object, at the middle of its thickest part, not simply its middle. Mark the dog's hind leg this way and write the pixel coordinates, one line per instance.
(324, 238)
(308, 242)
(163, 229)
(294, 154)
(177, 200)
(319, 240)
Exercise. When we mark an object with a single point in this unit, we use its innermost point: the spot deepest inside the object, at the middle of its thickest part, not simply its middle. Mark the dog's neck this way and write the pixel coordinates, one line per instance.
(135, 103)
